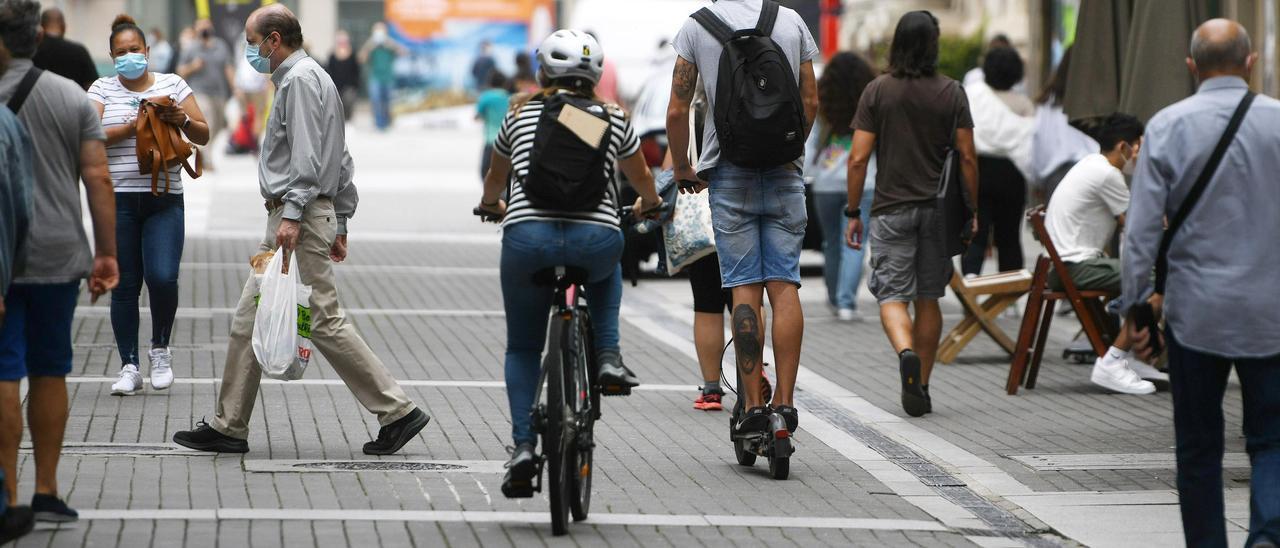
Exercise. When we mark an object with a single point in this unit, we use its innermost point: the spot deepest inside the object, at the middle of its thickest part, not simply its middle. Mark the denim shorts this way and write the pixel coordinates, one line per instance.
(759, 218)
(36, 337)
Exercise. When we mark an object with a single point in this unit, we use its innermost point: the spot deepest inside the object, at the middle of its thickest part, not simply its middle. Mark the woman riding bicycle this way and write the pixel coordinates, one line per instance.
(579, 229)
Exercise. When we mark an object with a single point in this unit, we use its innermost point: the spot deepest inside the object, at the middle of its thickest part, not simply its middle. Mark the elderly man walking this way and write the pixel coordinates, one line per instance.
(1223, 256)
(305, 176)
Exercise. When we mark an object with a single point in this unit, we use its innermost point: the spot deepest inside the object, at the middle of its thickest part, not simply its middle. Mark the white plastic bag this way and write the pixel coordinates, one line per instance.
(689, 236)
(282, 325)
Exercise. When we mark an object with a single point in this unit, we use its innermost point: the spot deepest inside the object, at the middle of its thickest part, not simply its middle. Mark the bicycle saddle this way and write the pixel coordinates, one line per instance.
(560, 277)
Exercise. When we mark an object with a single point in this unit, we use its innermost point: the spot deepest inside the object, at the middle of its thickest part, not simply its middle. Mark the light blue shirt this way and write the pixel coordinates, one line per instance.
(1224, 263)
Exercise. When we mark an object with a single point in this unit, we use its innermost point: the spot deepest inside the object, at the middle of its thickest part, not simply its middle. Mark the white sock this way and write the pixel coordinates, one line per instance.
(1114, 356)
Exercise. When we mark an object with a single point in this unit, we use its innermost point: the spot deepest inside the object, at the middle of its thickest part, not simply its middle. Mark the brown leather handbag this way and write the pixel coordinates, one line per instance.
(161, 145)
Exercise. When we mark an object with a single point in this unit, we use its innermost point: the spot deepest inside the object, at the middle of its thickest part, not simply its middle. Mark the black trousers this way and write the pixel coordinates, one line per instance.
(1002, 197)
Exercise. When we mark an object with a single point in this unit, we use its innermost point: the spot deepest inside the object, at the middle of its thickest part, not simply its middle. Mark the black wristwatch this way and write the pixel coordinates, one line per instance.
(856, 213)
(186, 122)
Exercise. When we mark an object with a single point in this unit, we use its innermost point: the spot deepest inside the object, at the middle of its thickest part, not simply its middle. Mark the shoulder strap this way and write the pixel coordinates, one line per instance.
(1202, 182)
(768, 16)
(714, 25)
(24, 89)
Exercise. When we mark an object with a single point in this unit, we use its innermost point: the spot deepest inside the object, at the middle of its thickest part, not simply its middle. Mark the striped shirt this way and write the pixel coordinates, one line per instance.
(515, 141)
(119, 104)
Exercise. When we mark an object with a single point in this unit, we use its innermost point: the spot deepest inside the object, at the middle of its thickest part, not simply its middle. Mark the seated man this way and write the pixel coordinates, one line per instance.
(1082, 215)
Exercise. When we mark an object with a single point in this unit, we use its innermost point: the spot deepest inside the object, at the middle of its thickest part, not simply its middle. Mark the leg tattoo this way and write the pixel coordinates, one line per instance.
(746, 339)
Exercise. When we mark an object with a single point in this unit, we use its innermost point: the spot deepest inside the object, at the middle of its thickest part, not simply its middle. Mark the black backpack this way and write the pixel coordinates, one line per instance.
(566, 173)
(758, 114)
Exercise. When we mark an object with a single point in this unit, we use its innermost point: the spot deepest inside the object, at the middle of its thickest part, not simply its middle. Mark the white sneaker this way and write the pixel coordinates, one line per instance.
(129, 383)
(161, 368)
(848, 315)
(1118, 377)
(1146, 371)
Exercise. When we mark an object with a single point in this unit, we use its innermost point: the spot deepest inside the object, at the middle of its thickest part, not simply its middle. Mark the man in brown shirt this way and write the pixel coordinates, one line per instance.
(910, 118)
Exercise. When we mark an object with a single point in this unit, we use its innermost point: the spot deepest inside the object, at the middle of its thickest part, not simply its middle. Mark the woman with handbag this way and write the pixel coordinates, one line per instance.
(149, 222)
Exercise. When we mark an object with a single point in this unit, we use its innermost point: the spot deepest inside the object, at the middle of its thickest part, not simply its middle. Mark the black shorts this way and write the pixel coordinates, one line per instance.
(704, 279)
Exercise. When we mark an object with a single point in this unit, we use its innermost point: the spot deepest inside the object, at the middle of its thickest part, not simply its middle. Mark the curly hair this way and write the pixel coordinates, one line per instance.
(19, 26)
(1003, 68)
(839, 90)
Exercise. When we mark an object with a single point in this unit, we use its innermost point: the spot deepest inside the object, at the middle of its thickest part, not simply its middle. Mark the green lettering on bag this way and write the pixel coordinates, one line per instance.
(304, 321)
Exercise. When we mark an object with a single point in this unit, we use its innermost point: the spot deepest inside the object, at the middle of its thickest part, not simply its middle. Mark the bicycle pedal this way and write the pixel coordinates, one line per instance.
(615, 390)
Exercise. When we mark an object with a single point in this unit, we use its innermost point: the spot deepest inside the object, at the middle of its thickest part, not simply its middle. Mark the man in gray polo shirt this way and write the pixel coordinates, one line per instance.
(305, 175)
(35, 341)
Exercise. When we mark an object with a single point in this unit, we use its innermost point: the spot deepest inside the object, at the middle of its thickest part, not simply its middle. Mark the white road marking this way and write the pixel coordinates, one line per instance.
(406, 382)
(209, 312)
(380, 269)
(1117, 461)
(535, 518)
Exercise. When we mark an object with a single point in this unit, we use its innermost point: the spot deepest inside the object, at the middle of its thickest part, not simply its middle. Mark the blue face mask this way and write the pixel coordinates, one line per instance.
(256, 60)
(131, 65)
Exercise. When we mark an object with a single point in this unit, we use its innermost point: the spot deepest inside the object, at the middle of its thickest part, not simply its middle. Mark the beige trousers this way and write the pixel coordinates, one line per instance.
(331, 333)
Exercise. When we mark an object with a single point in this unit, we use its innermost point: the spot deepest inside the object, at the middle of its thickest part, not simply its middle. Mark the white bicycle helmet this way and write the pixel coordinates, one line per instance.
(570, 53)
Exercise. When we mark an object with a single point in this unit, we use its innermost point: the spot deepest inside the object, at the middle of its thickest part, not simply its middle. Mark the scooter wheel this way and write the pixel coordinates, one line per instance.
(780, 467)
(745, 457)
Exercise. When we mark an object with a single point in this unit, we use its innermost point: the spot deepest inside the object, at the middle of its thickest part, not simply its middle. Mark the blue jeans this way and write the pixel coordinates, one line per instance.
(380, 102)
(759, 218)
(842, 265)
(528, 247)
(1198, 383)
(149, 236)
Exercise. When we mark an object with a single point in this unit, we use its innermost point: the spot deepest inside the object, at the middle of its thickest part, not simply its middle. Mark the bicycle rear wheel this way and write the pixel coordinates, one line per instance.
(580, 381)
(557, 432)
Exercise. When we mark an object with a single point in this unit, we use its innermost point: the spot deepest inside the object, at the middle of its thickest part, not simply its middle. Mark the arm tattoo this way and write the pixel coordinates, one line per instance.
(684, 79)
(746, 339)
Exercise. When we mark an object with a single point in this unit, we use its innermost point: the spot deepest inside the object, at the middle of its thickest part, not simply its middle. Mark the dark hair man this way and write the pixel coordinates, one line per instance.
(907, 118)
(1082, 216)
(759, 213)
(305, 174)
(61, 56)
(1219, 296)
(35, 341)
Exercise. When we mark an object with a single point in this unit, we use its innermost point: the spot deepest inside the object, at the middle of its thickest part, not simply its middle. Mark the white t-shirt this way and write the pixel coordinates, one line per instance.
(1082, 213)
(119, 104)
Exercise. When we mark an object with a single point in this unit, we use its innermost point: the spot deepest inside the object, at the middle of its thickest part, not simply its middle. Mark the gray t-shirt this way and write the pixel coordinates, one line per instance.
(211, 79)
(695, 45)
(59, 117)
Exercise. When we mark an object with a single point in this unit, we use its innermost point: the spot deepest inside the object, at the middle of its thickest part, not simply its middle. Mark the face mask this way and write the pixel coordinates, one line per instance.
(379, 36)
(1130, 163)
(256, 60)
(131, 65)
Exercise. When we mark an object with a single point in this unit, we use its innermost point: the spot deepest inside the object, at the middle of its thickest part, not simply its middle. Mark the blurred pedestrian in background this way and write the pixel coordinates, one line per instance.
(839, 90)
(482, 66)
(149, 224)
(379, 55)
(491, 108)
(161, 56)
(344, 68)
(252, 92)
(607, 89)
(1056, 145)
(910, 117)
(1219, 292)
(1002, 190)
(61, 56)
(206, 65)
(524, 80)
(35, 341)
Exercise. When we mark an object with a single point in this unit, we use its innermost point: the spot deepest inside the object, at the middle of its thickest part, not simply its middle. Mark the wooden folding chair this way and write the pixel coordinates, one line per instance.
(1002, 291)
(1089, 306)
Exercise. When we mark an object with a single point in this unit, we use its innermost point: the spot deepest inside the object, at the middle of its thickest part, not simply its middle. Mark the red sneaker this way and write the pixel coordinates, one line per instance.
(709, 402)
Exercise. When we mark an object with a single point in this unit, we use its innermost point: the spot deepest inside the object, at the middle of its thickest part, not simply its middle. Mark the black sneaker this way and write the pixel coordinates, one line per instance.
(205, 438)
(615, 378)
(789, 415)
(52, 509)
(393, 436)
(15, 522)
(914, 401)
(754, 420)
(522, 469)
